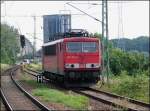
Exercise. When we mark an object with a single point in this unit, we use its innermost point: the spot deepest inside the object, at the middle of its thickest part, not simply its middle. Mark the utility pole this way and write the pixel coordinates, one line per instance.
(105, 51)
(34, 41)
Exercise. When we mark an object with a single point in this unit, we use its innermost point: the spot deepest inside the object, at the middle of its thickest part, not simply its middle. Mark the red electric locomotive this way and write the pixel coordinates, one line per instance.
(75, 61)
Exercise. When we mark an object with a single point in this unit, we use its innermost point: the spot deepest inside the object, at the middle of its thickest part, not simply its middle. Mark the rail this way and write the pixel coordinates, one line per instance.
(28, 95)
(110, 98)
(113, 99)
(6, 103)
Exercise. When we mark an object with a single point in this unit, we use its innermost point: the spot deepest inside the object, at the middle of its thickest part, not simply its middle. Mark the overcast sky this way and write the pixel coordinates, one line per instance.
(133, 23)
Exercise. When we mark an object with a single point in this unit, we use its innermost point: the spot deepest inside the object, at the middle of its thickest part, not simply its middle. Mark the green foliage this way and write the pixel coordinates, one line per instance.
(133, 87)
(140, 44)
(70, 100)
(35, 66)
(136, 87)
(4, 67)
(9, 44)
(28, 56)
(132, 62)
(115, 62)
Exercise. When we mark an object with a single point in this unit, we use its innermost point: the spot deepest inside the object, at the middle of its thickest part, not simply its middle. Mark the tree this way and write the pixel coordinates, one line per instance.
(9, 44)
(132, 62)
(140, 44)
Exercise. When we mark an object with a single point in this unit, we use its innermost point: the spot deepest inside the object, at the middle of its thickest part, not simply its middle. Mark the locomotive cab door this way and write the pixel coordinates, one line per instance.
(58, 53)
(60, 65)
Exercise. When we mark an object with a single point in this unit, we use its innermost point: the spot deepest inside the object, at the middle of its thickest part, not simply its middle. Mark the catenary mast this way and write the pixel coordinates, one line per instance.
(105, 37)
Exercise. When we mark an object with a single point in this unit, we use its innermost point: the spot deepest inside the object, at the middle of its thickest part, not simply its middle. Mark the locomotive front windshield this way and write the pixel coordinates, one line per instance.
(81, 47)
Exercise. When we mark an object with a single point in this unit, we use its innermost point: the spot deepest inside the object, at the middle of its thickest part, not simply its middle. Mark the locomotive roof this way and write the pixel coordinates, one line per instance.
(71, 39)
(53, 42)
(81, 38)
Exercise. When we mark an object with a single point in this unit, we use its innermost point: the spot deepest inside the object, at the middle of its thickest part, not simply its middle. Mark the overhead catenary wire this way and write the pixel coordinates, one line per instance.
(35, 37)
(84, 12)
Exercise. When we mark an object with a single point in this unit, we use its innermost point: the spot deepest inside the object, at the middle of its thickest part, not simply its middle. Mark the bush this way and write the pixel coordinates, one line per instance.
(132, 62)
(135, 87)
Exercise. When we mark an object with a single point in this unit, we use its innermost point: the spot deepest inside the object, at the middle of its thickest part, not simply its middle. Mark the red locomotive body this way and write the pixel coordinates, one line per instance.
(73, 60)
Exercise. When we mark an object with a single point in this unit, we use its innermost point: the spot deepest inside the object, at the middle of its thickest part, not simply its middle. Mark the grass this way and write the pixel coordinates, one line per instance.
(136, 87)
(4, 67)
(34, 84)
(51, 95)
(35, 66)
(25, 78)
(77, 102)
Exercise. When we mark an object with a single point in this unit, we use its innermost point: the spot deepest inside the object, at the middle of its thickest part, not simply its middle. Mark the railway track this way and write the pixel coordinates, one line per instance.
(35, 73)
(15, 97)
(115, 100)
(109, 98)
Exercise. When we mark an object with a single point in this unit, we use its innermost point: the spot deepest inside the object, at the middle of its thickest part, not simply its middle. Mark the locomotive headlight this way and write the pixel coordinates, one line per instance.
(66, 65)
(97, 65)
(92, 65)
(71, 65)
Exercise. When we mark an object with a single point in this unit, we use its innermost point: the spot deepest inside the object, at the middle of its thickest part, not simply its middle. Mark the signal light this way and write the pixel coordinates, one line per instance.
(22, 40)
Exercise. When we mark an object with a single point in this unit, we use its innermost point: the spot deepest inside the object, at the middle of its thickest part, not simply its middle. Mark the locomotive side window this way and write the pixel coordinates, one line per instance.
(50, 50)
